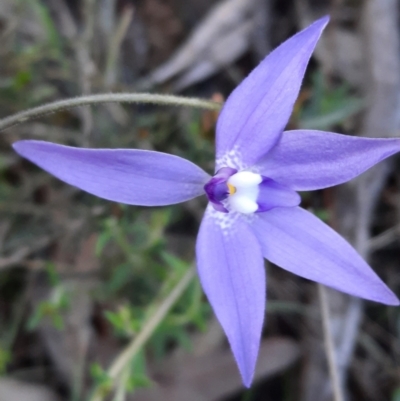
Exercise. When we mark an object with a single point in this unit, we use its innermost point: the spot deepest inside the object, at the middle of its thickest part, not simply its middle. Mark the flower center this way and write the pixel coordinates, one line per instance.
(244, 198)
(230, 190)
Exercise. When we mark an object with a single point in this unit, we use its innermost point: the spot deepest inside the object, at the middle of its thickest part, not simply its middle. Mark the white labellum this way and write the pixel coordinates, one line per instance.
(245, 191)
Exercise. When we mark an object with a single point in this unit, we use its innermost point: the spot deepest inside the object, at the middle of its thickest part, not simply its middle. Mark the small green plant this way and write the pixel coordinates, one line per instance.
(53, 308)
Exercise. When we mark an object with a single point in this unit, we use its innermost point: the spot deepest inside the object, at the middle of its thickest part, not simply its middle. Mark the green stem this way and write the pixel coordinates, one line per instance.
(152, 323)
(59, 105)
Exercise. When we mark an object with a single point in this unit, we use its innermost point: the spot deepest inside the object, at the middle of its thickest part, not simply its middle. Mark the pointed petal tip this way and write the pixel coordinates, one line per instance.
(323, 21)
(394, 302)
(317, 27)
(390, 298)
(23, 146)
(247, 373)
(247, 381)
(379, 292)
(17, 146)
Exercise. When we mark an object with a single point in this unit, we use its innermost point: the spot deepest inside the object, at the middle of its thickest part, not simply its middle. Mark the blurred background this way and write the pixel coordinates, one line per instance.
(81, 277)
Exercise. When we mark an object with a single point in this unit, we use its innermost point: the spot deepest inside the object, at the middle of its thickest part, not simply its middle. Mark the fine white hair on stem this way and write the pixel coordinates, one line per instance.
(152, 98)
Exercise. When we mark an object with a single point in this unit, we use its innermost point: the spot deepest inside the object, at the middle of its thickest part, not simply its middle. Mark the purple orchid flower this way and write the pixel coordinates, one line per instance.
(253, 210)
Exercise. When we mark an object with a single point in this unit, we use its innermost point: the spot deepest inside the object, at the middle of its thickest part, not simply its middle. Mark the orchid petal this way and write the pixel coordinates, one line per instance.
(299, 242)
(136, 177)
(257, 111)
(272, 194)
(232, 274)
(307, 160)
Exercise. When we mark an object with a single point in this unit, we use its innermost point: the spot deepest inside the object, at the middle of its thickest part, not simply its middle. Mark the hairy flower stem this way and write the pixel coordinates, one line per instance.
(59, 105)
(123, 360)
(329, 344)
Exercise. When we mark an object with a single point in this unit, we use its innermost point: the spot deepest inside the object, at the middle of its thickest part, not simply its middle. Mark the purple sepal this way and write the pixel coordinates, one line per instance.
(255, 114)
(307, 160)
(131, 176)
(231, 270)
(299, 242)
(217, 188)
(273, 194)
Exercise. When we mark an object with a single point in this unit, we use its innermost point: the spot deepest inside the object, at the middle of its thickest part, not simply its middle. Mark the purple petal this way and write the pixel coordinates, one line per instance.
(307, 160)
(232, 274)
(136, 177)
(258, 110)
(273, 195)
(299, 242)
